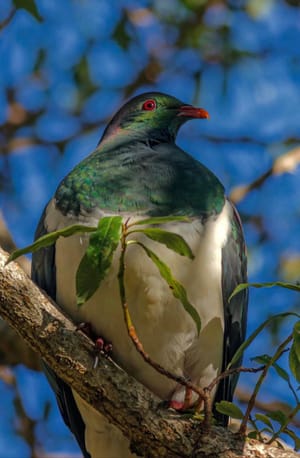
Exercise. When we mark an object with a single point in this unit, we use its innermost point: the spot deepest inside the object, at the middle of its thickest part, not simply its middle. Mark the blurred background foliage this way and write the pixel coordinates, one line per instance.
(67, 66)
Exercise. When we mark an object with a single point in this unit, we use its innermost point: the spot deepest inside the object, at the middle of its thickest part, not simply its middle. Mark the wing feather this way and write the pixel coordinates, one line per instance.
(234, 272)
(43, 273)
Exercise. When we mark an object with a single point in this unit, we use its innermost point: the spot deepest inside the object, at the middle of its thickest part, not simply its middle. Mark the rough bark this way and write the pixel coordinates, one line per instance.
(152, 430)
(12, 348)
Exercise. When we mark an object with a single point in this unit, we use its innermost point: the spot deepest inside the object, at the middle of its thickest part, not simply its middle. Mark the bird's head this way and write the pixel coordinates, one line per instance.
(152, 115)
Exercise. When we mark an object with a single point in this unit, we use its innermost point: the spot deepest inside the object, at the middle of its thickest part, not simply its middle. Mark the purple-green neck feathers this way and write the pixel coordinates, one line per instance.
(138, 168)
(151, 115)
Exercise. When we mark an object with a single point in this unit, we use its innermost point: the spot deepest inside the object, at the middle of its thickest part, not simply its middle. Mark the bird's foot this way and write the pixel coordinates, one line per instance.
(86, 328)
(183, 399)
(101, 347)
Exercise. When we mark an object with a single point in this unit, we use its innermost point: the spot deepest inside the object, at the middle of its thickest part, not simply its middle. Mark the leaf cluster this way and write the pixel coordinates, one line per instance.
(270, 426)
(95, 264)
(104, 241)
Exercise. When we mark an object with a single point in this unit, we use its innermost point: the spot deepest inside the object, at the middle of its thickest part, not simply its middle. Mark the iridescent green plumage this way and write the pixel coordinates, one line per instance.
(137, 167)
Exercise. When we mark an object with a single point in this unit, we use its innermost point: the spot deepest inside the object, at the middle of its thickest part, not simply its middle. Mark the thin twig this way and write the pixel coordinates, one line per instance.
(204, 394)
(243, 397)
(293, 391)
(251, 403)
(253, 423)
(240, 192)
(289, 418)
(231, 371)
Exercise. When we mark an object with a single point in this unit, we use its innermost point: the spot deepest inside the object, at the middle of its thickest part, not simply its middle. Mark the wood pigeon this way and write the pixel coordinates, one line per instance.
(137, 170)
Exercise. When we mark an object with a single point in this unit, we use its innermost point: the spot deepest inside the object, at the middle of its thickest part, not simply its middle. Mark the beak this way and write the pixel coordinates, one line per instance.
(192, 112)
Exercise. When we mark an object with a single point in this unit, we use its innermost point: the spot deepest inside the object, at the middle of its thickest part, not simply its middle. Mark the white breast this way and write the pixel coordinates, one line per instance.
(167, 332)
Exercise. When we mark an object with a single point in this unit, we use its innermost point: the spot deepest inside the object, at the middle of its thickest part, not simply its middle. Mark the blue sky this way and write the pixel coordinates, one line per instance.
(254, 110)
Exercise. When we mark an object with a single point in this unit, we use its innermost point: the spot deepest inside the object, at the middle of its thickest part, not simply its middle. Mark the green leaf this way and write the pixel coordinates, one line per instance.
(253, 434)
(173, 241)
(264, 419)
(121, 35)
(267, 430)
(242, 286)
(265, 359)
(281, 372)
(294, 436)
(176, 287)
(294, 363)
(278, 416)
(230, 409)
(296, 339)
(98, 257)
(238, 354)
(160, 220)
(49, 239)
(29, 6)
(261, 359)
(294, 356)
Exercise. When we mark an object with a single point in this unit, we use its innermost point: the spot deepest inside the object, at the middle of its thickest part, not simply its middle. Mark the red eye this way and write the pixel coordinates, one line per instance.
(149, 105)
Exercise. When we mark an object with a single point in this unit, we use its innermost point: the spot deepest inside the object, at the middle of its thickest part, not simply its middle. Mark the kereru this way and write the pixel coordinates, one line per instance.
(138, 170)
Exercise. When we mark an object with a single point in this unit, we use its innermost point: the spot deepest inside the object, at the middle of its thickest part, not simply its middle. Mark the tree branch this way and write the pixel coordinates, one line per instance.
(12, 348)
(151, 430)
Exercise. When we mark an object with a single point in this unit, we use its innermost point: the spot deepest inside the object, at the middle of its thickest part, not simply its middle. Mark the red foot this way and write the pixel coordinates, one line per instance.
(102, 347)
(176, 405)
(184, 404)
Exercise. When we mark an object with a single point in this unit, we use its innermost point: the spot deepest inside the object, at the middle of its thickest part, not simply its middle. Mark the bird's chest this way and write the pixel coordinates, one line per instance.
(166, 330)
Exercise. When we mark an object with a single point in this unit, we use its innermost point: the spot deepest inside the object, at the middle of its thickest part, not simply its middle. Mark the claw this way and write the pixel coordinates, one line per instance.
(96, 362)
(108, 348)
(101, 347)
